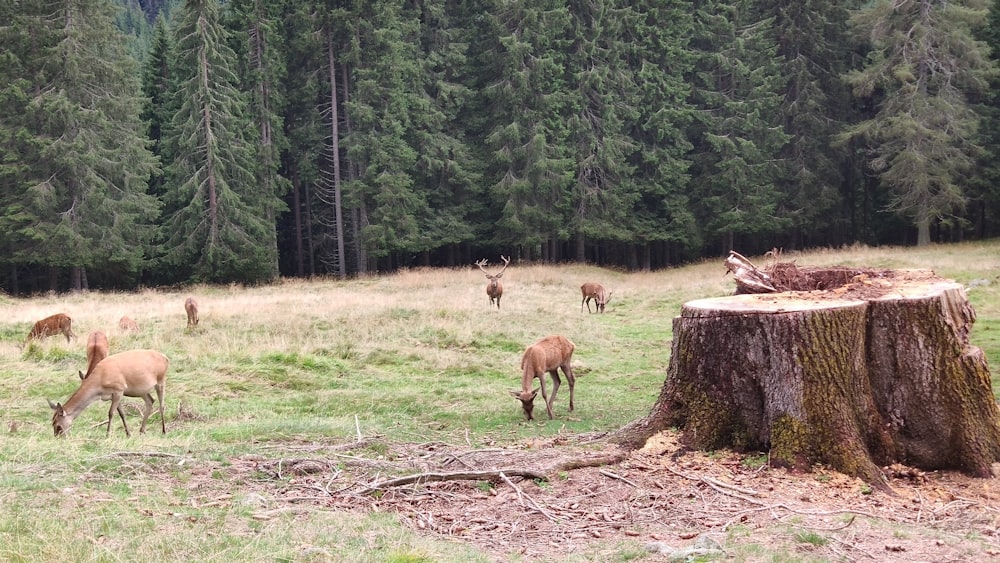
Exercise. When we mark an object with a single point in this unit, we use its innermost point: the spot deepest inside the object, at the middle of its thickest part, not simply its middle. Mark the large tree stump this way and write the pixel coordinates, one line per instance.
(866, 373)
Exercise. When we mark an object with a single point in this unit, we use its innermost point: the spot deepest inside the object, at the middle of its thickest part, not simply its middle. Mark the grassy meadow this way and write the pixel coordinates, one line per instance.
(418, 356)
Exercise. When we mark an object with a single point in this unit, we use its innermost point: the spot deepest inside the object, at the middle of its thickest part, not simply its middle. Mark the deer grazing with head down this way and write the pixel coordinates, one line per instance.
(97, 350)
(547, 355)
(127, 324)
(596, 292)
(191, 307)
(135, 373)
(49, 326)
(495, 287)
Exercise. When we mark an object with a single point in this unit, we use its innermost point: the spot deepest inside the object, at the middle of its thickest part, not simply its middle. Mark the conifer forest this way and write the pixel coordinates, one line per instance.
(158, 142)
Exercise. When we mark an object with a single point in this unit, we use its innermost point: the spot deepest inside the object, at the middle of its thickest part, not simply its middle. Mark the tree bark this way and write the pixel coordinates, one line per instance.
(872, 372)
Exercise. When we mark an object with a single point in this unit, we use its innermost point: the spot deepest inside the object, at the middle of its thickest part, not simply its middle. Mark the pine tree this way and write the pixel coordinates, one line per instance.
(524, 104)
(601, 96)
(385, 94)
(77, 197)
(812, 51)
(739, 89)
(219, 225)
(924, 63)
(661, 60)
(446, 171)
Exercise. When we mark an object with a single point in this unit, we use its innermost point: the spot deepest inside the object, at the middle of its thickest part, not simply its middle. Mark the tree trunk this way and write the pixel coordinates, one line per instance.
(870, 372)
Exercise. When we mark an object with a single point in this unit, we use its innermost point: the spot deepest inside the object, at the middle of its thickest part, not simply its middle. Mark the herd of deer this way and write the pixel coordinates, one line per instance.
(549, 354)
(138, 373)
(134, 373)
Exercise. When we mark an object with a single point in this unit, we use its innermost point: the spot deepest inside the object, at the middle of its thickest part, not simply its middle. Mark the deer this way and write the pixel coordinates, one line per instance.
(127, 324)
(547, 355)
(596, 292)
(135, 373)
(495, 287)
(191, 306)
(49, 326)
(97, 350)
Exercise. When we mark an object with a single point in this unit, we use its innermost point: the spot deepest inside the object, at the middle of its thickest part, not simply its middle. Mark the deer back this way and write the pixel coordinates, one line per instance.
(97, 350)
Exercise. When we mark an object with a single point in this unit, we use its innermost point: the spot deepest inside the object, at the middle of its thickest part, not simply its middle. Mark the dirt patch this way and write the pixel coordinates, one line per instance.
(664, 497)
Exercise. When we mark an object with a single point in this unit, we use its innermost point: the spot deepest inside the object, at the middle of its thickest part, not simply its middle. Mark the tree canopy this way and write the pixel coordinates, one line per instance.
(239, 141)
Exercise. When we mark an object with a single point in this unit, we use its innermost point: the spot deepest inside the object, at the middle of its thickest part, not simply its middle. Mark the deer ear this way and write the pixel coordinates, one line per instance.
(55, 406)
(515, 394)
(533, 393)
(81, 374)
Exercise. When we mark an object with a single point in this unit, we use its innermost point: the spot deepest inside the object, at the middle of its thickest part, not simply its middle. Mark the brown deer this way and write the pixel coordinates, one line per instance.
(596, 292)
(547, 355)
(495, 287)
(135, 373)
(49, 326)
(97, 350)
(191, 306)
(127, 324)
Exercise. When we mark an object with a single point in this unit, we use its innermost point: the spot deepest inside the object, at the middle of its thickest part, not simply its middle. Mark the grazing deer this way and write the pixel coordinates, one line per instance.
(191, 306)
(53, 325)
(135, 373)
(127, 324)
(97, 350)
(495, 287)
(596, 292)
(547, 355)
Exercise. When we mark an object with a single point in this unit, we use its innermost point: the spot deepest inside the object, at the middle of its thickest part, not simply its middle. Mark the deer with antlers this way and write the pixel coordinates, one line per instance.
(495, 287)
(596, 292)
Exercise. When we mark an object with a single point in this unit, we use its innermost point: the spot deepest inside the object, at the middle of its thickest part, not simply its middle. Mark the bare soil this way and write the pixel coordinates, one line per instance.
(662, 497)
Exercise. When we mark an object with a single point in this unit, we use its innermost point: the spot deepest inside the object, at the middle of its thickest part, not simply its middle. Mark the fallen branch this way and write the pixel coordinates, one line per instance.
(619, 477)
(522, 495)
(455, 476)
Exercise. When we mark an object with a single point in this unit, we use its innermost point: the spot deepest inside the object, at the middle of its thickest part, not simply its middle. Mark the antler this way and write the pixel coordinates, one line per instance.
(506, 262)
(482, 263)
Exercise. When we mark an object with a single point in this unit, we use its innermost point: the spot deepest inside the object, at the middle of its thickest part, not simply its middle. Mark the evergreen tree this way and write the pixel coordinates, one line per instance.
(259, 44)
(219, 225)
(76, 198)
(385, 97)
(445, 172)
(661, 59)
(601, 96)
(157, 87)
(524, 104)
(984, 185)
(924, 63)
(737, 155)
(812, 51)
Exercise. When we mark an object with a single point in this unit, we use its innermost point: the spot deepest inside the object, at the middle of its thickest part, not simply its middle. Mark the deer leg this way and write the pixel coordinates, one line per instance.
(555, 389)
(159, 399)
(148, 399)
(571, 379)
(116, 406)
(545, 396)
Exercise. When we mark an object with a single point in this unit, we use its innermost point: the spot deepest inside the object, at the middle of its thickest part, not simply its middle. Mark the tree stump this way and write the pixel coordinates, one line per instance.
(872, 368)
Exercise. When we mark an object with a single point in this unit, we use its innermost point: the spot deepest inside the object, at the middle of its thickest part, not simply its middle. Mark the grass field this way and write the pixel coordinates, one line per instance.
(414, 357)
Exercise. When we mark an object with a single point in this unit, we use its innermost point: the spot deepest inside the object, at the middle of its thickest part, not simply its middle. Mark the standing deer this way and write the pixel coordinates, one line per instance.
(596, 292)
(97, 350)
(127, 324)
(495, 287)
(191, 306)
(135, 373)
(49, 326)
(547, 355)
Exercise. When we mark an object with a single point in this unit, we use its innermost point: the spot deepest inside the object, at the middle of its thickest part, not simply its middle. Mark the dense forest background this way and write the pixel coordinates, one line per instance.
(159, 142)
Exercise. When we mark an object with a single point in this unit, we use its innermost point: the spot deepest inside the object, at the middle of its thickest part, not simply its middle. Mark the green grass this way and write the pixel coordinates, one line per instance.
(414, 357)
